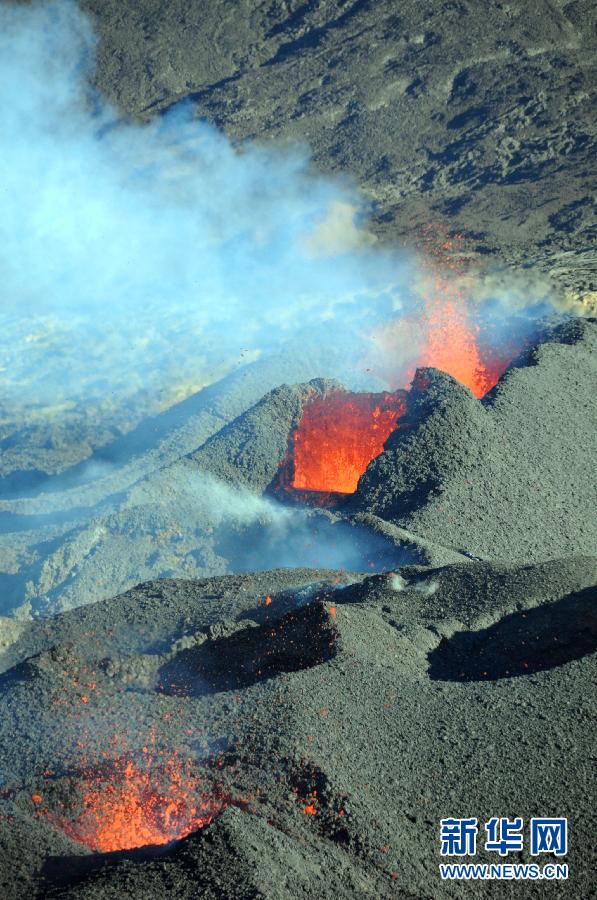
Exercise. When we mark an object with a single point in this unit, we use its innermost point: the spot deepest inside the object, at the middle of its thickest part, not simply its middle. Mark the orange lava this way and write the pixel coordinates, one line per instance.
(338, 436)
(450, 344)
(311, 809)
(135, 807)
(442, 333)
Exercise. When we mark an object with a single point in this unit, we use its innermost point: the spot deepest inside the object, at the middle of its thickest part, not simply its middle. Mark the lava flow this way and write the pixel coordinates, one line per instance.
(138, 807)
(338, 436)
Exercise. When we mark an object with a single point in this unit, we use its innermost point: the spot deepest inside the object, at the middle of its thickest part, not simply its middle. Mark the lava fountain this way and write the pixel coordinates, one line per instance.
(451, 345)
(446, 336)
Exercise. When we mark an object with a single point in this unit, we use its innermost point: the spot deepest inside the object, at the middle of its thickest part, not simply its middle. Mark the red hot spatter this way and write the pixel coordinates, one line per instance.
(136, 805)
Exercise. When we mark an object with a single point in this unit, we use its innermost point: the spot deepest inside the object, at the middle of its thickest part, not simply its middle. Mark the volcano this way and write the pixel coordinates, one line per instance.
(297, 532)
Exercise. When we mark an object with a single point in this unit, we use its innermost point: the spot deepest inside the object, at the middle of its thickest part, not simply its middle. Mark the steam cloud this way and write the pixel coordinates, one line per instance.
(135, 255)
(139, 258)
(257, 533)
(188, 526)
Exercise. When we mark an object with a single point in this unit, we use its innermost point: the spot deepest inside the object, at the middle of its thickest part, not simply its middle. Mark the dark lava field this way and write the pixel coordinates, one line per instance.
(298, 367)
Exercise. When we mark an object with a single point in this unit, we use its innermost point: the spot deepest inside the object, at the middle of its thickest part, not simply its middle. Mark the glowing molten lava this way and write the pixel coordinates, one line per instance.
(338, 436)
(443, 331)
(450, 344)
(137, 807)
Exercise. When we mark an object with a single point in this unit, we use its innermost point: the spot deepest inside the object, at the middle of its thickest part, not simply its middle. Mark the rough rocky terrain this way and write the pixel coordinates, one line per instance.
(508, 477)
(479, 116)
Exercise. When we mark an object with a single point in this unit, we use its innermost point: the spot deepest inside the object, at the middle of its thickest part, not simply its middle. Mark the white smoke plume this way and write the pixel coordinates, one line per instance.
(398, 582)
(187, 526)
(425, 587)
(151, 259)
(139, 256)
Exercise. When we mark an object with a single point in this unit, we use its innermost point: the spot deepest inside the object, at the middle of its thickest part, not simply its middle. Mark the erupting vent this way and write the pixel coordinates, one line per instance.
(136, 806)
(451, 346)
(338, 436)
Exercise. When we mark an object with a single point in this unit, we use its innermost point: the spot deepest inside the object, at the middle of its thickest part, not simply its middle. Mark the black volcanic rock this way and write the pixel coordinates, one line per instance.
(508, 477)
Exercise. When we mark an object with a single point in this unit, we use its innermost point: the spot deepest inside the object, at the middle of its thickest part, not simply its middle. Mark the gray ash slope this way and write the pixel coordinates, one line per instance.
(382, 703)
(508, 477)
(387, 698)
